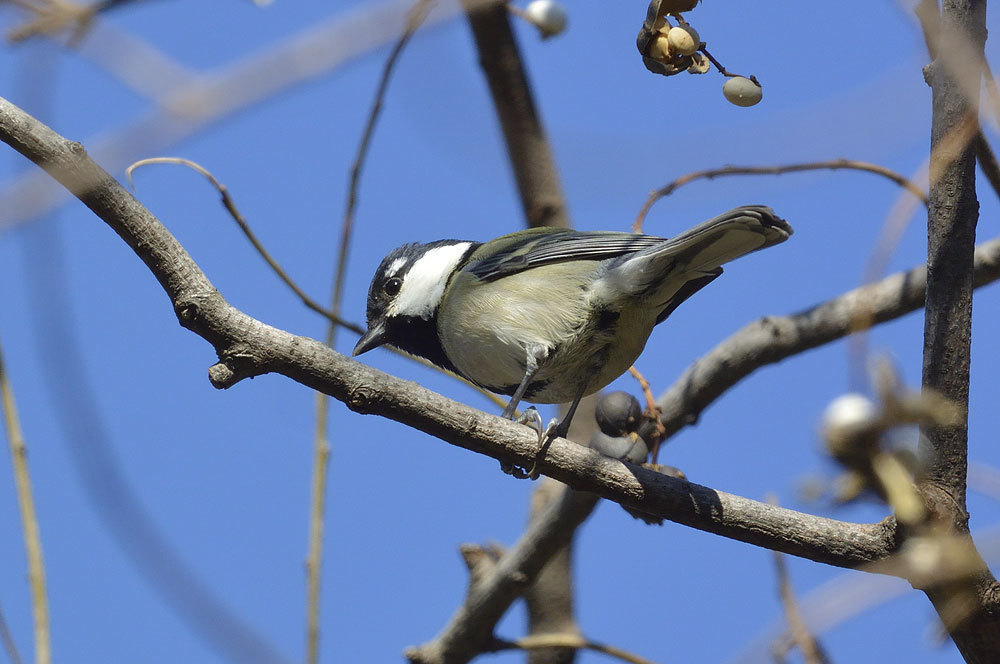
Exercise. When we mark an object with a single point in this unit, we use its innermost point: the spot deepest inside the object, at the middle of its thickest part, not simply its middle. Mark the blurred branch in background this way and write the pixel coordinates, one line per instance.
(29, 521)
(218, 94)
(54, 17)
(565, 641)
(9, 646)
(527, 146)
(807, 643)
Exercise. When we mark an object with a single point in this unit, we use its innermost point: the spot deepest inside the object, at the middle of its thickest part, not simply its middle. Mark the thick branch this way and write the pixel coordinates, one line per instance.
(774, 338)
(951, 236)
(248, 347)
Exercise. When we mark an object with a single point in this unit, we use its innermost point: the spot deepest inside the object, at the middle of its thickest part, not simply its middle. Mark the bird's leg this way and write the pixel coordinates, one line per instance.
(532, 362)
(554, 431)
(533, 359)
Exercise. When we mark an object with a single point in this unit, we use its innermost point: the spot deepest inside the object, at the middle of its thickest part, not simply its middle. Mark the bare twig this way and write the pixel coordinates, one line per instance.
(9, 646)
(575, 641)
(314, 559)
(230, 205)
(836, 164)
(812, 651)
(29, 520)
(652, 412)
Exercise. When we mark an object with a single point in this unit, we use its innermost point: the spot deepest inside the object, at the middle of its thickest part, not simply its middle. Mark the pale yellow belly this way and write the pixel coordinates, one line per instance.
(488, 336)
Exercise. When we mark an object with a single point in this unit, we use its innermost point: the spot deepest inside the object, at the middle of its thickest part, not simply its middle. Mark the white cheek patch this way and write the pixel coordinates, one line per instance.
(423, 285)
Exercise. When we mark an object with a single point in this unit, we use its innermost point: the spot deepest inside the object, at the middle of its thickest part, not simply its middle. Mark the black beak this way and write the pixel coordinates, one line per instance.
(373, 338)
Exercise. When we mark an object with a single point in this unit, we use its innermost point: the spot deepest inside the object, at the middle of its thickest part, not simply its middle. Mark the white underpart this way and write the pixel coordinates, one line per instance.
(423, 286)
(394, 268)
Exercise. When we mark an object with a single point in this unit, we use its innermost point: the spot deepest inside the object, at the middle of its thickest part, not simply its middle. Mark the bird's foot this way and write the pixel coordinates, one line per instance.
(545, 438)
(531, 418)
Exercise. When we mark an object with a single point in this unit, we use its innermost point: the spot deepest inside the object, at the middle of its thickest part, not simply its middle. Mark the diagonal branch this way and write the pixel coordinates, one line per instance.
(247, 347)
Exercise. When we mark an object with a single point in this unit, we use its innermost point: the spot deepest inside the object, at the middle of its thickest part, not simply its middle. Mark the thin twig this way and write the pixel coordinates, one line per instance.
(809, 646)
(835, 164)
(536, 641)
(414, 19)
(309, 302)
(230, 206)
(652, 413)
(29, 520)
(9, 646)
(314, 559)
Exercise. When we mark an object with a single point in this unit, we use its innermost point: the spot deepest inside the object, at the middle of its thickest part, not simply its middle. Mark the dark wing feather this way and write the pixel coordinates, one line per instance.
(687, 290)
(526, 250)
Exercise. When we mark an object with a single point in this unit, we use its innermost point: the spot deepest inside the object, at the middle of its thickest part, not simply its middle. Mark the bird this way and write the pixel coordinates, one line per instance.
(550, 315)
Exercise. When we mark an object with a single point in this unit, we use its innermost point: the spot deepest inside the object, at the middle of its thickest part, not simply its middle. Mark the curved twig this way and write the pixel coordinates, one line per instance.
(835, 164)
(230, 206)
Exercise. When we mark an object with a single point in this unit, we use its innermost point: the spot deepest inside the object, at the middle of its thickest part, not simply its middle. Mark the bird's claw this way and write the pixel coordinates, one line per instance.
(531, 418)
(545, 439)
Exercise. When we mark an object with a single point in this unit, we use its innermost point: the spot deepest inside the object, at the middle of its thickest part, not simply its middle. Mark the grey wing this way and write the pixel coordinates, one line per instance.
(533, 250)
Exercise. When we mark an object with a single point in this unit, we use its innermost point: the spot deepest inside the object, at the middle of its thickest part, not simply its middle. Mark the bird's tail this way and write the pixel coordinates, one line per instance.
(717, 241)
(699, 252)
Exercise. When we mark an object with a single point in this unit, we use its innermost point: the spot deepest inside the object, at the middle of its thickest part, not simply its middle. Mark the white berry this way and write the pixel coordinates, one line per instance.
(847, 413)
(547, 15)
(683, 39)
(742, 91)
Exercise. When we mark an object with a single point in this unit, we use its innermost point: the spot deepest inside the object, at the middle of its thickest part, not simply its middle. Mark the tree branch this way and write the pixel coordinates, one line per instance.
(247, 347)
(774, 338)
(951, 235)
(832, 165)
(470, 629)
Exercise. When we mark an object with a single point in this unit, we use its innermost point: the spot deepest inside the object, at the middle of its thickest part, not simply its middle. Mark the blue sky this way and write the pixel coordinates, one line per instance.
(224, 475)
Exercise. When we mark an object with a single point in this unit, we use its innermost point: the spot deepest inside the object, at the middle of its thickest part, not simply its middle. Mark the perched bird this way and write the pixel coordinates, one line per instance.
(549, 315)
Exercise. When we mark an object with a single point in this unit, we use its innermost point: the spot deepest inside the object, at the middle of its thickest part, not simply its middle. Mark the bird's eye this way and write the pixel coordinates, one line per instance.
(392, 286)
